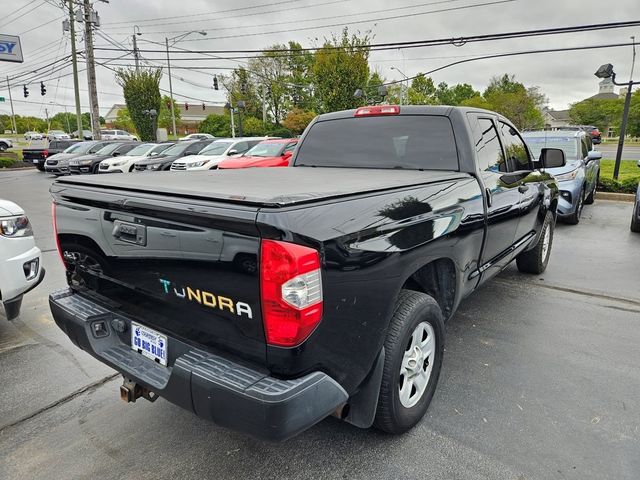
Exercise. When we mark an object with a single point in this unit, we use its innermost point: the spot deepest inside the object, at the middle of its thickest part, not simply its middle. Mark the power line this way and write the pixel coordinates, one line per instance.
(457, 41)
(20, 16)
(510, 54)
(41, 25)
(131, 22)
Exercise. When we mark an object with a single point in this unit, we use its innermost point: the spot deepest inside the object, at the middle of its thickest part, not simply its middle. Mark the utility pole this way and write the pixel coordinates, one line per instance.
(173, 114)
(264, 104)
(136, 54)
(89, 19)
(46, 112)
(74, 61)
(13, 115)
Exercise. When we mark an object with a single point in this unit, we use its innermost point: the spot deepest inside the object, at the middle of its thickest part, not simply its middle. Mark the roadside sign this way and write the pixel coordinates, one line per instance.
(10, 49)
(1, 99)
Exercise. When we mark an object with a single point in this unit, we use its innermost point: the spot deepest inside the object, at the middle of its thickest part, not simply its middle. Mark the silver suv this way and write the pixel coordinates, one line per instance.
(117, 135)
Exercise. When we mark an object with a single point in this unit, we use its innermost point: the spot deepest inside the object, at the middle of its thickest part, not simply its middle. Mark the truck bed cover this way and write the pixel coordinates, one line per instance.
(274, 187)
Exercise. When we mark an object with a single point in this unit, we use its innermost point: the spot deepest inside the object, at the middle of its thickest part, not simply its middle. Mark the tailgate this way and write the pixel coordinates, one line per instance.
(32, 154)
(188, 270)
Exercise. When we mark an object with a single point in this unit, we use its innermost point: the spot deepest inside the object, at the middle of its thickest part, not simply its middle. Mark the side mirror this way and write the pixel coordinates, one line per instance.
(116, 154)
(287, 154)
(552, 158)
(232, 152)
(594, 155)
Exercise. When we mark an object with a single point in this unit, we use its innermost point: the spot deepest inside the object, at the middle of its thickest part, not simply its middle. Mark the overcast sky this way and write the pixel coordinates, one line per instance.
(564, 77)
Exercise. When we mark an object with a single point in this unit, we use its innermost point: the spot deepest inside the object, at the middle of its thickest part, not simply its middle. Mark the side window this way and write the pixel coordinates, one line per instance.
(194, 149)
(290, 148)
(490, 156)
(241, 147)
(517, 156)
(585, 147)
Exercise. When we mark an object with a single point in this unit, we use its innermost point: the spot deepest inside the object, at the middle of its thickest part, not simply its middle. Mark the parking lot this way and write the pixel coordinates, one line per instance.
(541, 379)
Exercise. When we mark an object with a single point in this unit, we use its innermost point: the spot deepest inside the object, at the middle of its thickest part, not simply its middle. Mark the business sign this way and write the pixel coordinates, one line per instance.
(10, 49)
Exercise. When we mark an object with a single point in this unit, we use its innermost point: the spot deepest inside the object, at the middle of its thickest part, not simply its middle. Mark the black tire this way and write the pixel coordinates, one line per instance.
(536, 260)
(40, 167)
(412, 308)
(95, 169)
(3, 146)
(592, 196)
(574, 218)
(635, 221)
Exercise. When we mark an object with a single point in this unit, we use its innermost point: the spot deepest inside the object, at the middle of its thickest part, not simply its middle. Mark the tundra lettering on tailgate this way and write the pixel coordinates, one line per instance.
(205, 298)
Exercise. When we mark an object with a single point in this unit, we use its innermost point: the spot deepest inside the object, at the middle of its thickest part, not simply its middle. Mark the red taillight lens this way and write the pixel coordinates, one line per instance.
(291, 289)
(377, 110)
(45, 153)
(55, 233)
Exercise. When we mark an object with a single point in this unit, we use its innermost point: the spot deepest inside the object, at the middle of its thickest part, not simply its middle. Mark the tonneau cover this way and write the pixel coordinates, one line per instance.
(264, 186)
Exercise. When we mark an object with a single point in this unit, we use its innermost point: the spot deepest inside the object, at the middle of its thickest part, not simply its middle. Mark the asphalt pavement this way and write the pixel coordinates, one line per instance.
(629, 152)
(541, 379)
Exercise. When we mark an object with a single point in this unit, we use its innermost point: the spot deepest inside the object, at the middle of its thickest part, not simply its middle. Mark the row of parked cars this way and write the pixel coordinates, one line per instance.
(111, 134)
(108, 156)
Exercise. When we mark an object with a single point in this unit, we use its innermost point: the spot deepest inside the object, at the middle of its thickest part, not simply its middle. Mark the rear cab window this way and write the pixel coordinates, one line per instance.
(413, 142)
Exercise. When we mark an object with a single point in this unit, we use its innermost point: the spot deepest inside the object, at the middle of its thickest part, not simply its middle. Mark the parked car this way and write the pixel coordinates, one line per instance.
(21, 267)
(210, 157)
(268, 153)
(5, 144)
(578, 179)
(196, 136)
(33, 136)
(86, 135)
(594, 133)
(57, 135)
(91, 163)
(387, 219)
(635, 215)
(125, 163)
(58, 164)
(164, 160)
(117, 135)
(38, 156)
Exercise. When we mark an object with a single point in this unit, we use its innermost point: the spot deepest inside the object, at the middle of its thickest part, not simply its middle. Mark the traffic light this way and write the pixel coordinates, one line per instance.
(203, 107)
(186, 106)
(215, 82)
(243, 88)
(43, 89)
(25, 91)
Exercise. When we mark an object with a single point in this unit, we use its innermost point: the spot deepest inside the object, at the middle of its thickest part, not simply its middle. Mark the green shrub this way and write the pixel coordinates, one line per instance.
(626, 185)
(280, 132)
(7, 162)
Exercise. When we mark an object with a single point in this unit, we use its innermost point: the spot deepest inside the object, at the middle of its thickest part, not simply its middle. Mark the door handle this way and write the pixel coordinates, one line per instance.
(523, 188)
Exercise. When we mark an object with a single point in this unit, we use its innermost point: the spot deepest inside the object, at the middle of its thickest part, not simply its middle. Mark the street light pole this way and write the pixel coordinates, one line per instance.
(174, 41)
(402, 84)
(136, 54)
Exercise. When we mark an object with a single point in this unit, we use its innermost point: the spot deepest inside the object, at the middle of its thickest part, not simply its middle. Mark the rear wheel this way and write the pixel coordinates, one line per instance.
(414, 348)
(3, 146)
(95, 168)
(592, 196)
(536, 259)
(574, 218)
(635, 221)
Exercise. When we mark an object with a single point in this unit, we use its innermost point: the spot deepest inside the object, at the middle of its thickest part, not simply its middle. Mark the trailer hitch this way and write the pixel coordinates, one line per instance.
(130, 391)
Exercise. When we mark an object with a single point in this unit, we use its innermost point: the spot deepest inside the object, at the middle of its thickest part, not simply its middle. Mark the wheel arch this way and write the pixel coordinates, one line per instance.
(439, 279)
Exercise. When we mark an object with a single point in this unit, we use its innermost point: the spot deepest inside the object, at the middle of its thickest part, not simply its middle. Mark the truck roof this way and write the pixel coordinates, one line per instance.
(275, 187)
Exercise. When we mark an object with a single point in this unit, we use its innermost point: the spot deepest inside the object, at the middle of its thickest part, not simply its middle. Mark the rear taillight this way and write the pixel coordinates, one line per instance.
(291, 289)
(45, 153)
(55, 233)
(377, 110)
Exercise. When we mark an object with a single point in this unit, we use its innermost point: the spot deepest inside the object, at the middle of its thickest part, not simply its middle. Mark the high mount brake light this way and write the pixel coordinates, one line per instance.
(291, 291)
(377, 110)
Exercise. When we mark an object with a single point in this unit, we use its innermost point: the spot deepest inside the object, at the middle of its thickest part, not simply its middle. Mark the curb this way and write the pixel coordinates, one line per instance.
(619, 197)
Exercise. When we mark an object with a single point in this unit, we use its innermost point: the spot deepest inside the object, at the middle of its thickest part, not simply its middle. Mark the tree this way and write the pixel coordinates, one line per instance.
(271, 75)
(297, 120)
(252, 127)
(300, 66)
(141, 91)
(216, 125)
(164, 117)
(123, 121)
(238, 81)
(603, 113)
(422, 91)
(341, 67)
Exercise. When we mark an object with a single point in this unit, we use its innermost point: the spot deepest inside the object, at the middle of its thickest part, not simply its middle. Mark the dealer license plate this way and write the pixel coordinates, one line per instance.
(149, 343)
(35, 160)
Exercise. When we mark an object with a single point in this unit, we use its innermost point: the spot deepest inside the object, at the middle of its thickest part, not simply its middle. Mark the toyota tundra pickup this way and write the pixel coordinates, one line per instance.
(267, 299)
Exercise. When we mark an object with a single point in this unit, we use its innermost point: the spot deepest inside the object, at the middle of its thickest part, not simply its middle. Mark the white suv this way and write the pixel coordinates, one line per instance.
(214, 153)
(20, 260)
(124, 163)
(117, 135)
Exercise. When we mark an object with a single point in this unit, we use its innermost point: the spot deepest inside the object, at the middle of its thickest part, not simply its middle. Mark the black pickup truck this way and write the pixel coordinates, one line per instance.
(266, 299)
(38, 156)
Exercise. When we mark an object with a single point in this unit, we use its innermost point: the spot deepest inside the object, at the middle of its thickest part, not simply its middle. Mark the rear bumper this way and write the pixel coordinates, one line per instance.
(228, 392)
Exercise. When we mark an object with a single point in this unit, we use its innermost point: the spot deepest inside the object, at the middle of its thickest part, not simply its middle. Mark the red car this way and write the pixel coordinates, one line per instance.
(269, 153)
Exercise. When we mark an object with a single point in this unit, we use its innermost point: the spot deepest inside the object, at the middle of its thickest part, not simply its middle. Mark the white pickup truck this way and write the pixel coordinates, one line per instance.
(20, 260)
